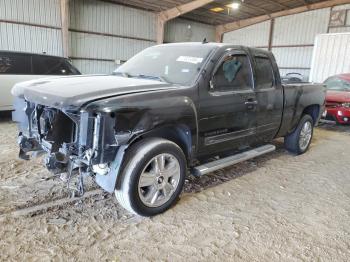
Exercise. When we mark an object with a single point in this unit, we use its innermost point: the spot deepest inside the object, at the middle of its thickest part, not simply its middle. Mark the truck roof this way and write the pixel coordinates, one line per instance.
(220, 45)
(28, 53)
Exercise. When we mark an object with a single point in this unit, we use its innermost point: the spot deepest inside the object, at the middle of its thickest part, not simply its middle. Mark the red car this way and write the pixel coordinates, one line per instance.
(338, 99)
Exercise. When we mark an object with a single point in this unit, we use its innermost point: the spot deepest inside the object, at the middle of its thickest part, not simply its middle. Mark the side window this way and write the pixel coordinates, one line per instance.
(264, 73)
(46, 65)
(71, 68)
(15, 64)
(233, 74)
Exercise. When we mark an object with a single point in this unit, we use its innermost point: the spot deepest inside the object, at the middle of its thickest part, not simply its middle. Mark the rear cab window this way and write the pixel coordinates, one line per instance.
(15, 64)
(12, 63)
(46, 65)
(265, 77)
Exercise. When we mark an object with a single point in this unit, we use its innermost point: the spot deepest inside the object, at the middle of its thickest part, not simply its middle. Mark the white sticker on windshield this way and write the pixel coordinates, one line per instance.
(190, 59)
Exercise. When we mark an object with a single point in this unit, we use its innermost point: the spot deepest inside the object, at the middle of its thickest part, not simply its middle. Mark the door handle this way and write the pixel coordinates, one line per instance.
(251, 103)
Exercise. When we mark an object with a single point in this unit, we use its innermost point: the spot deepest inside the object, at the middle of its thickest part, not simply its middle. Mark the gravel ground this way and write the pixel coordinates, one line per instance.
(278, 207)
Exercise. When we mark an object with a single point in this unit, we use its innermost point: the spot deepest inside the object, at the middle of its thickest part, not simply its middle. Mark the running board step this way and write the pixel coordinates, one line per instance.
(232, 160)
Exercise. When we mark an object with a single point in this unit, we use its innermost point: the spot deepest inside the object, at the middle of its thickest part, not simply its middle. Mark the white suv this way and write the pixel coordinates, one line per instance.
(17, 67)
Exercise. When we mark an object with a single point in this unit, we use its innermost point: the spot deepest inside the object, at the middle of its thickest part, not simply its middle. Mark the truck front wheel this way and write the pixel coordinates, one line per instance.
(152, 178)
(299, 140)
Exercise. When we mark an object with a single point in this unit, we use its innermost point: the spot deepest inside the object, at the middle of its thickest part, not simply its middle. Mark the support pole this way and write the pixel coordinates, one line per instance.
(272, 27)
(174, 12)
(160, 29)
(218, 35)
(64, 26)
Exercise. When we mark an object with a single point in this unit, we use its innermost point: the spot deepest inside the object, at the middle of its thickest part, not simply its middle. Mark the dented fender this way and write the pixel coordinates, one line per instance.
(159, 114)
(148, 114)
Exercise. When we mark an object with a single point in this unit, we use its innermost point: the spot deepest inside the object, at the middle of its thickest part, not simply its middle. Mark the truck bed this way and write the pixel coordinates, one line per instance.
(297, 97)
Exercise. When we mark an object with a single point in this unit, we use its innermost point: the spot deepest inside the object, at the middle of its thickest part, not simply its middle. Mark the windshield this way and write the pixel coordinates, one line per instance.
(336, 83)
(174, 64)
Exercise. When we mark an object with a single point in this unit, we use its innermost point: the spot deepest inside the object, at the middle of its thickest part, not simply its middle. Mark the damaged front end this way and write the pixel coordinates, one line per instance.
(75, 142)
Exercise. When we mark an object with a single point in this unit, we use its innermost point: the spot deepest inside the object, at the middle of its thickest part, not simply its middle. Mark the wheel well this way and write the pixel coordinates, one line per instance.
(313, 111)
(180, 135)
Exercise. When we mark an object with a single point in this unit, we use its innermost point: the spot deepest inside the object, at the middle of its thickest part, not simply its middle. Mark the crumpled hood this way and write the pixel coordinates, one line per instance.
(338, 96)
(74, 91)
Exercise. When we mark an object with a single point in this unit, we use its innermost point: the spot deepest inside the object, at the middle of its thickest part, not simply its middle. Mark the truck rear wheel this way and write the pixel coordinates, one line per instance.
(299, 140)
(152, 178)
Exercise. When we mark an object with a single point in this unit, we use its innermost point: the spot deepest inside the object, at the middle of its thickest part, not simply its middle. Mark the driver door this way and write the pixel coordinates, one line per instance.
(228, 106)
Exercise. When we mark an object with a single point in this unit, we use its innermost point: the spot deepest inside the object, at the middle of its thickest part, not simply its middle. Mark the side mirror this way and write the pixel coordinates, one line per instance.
(212, 83)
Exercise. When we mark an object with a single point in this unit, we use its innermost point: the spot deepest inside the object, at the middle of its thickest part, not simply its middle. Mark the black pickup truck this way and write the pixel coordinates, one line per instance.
(168, 111)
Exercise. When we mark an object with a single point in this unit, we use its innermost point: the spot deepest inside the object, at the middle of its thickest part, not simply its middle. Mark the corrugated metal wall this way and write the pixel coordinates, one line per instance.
(294, 59)
(181, 30)
(301, 28)
(103, 17)
(102, 32)
(293, 37)
(255, 35)
(331, 56)
(30, 26)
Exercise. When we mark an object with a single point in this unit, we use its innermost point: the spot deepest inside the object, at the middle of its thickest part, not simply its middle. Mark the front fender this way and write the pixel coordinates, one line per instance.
(135, 115)
(138, 116)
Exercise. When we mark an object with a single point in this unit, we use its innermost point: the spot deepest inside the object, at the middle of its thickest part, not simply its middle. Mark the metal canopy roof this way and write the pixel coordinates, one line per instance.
(248, 9)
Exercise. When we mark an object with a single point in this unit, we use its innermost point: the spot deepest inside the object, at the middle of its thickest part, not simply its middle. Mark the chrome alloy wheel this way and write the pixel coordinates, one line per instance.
(159, 180)
(305, 135)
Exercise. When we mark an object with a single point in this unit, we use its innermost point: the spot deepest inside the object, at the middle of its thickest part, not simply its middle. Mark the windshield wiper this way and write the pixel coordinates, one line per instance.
(160, 78)
(124, 74)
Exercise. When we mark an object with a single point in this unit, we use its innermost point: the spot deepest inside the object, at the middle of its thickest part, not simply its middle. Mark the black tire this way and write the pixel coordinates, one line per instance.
(135, 161)
(292, 140)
